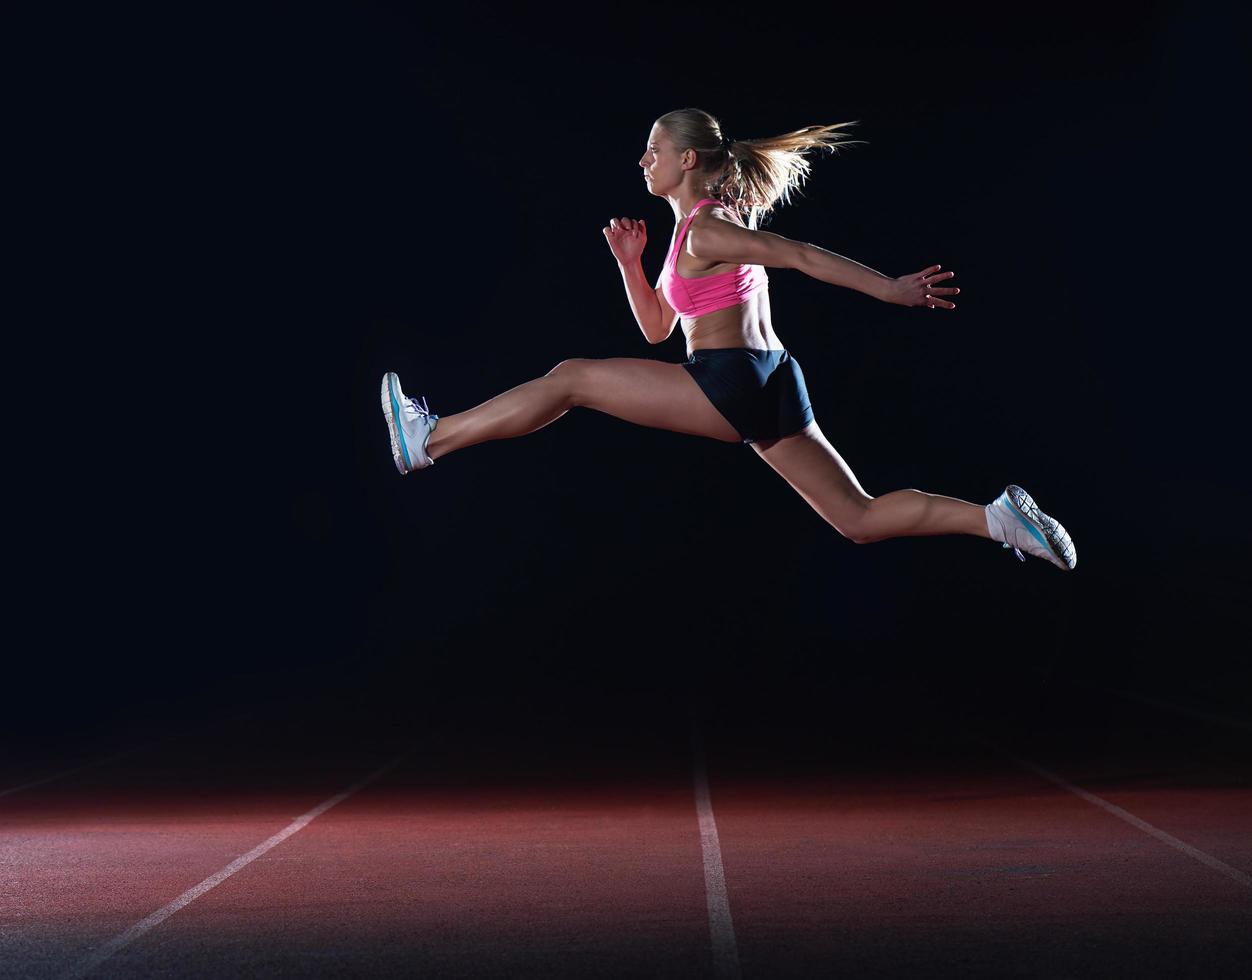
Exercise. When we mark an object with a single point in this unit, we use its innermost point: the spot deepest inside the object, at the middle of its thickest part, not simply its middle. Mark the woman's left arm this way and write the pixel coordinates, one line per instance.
(916, 289)
(723, 241)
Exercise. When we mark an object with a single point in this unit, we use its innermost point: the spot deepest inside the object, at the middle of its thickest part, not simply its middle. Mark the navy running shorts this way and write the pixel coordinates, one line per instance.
(760, 392)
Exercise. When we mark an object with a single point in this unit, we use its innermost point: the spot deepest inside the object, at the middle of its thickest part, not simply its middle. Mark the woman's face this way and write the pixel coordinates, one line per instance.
(661, 169)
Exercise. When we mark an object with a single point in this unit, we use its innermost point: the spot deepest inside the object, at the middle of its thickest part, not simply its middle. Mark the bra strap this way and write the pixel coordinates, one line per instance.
(678, 242)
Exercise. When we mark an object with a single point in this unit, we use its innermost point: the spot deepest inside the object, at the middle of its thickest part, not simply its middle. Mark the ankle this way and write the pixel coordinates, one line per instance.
(433, 440)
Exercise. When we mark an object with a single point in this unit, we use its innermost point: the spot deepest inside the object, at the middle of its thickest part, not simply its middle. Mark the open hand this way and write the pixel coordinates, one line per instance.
(626, 237)
(919, 289)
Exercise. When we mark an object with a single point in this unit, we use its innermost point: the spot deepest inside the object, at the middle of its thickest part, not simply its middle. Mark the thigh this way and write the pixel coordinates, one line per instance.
(808, 462)
(652, 393)
(785, 408)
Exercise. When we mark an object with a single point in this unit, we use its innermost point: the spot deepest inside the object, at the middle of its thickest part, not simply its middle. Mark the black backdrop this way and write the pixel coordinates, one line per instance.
(318, 195)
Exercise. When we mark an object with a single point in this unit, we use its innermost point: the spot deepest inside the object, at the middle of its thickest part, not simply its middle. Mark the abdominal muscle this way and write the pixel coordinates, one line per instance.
(745, 325)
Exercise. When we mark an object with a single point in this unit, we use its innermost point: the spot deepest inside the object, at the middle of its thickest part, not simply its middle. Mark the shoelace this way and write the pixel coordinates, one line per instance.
(422, 409)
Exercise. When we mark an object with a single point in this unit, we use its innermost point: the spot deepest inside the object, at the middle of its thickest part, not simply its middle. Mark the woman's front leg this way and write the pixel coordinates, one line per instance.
(646, 392)
(516, 412)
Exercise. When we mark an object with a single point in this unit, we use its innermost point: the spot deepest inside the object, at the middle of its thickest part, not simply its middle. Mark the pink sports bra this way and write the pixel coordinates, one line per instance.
(704, 294)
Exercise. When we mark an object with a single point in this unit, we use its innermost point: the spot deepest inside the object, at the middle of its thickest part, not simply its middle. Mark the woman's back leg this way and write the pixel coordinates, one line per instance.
(819, 474)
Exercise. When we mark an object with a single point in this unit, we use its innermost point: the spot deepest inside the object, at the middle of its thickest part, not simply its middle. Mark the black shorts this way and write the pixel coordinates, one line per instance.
(760, 392)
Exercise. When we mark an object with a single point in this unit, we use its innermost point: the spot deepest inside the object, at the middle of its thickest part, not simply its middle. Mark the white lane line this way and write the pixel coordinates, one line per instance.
(721, 929)
(89, 963)
(1221, 866)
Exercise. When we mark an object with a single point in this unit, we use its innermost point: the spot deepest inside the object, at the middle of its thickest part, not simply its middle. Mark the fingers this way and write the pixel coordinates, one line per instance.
(619, 230)
(626, 225)
(932, 292)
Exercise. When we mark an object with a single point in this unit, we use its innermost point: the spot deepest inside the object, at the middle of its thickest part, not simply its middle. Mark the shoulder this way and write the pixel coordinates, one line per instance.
(717, 212)
(716, 221)
(713, 221)
(723, 237)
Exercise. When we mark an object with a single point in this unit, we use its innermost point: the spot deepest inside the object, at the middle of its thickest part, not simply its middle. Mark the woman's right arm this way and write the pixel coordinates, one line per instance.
(627, 238)
(644, 302)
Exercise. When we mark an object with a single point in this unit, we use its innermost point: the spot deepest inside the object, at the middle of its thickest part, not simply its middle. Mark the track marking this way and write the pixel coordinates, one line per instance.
(1207, 859)
(89, 963)
(721, 929)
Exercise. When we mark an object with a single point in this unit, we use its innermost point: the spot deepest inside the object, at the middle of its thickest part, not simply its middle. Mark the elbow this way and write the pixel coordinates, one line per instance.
(797, 257)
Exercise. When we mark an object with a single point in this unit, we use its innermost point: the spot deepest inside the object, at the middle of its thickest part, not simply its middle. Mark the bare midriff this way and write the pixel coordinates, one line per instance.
(745, 325)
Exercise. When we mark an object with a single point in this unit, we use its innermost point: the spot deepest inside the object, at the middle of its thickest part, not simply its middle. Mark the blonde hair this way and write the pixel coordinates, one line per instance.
(749, 176)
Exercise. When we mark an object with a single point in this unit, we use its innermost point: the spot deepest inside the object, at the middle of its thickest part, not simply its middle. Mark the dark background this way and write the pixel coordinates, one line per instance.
(284, 204)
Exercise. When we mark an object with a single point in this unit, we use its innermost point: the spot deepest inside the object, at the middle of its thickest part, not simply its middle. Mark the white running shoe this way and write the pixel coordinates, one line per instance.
(409, 424)
(1014, 519)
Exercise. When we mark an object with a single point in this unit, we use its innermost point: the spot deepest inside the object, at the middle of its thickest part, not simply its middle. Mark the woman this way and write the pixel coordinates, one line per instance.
(739, 383)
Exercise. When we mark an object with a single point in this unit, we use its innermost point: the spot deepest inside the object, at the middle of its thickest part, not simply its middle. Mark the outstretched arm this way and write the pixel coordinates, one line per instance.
(916, 289)
(815, 261)
(718, 240)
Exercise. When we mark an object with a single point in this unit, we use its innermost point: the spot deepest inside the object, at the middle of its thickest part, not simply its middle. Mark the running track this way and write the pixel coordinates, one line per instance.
(363, 833)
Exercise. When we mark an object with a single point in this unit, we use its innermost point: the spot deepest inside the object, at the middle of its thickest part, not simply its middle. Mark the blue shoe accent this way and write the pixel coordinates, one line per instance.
(408, 421)
(1030, 529)
(395, 414)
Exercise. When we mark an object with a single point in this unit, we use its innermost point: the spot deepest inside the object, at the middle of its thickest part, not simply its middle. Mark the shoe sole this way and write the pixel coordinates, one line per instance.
(390, 408)
(1055, 537)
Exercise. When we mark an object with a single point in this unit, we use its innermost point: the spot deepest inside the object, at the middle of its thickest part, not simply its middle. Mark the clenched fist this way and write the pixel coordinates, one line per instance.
(626, 237)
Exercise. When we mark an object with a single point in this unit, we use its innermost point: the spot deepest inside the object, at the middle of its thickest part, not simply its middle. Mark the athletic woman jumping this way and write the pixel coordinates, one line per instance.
(739, 383)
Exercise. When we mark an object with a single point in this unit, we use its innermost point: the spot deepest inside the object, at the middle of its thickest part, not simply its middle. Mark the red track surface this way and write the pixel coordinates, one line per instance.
(569, 845)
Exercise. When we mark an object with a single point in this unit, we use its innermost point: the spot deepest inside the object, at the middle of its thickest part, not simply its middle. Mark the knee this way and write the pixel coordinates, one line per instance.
(853, 529)
(569, 368)
(858, 530)
(569, 373)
